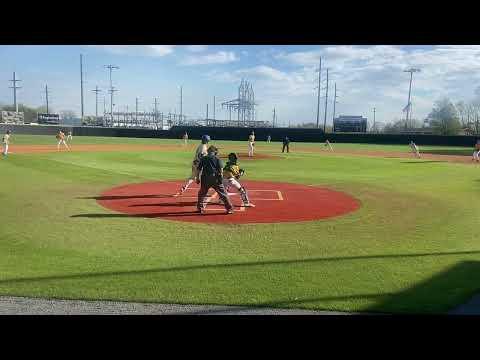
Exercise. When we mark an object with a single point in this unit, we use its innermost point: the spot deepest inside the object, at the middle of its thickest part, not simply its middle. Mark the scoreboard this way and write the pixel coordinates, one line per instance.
(350, 124)
(51, 119)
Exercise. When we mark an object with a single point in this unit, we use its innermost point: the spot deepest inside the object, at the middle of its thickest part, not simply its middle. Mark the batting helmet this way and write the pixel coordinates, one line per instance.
(205, 139)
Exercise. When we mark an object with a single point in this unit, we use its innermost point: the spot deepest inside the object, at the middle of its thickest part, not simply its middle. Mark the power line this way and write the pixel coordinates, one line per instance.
(15, 87)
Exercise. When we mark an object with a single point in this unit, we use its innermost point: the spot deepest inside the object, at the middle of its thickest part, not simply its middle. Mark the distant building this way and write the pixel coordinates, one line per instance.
(345, 123)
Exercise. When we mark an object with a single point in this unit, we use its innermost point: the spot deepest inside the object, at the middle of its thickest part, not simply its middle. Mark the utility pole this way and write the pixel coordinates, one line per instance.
(155, 116)
(207, 112)
(409, 104)
(214, 107)
(274, 117)
(181, 102)
(96, 91)
(326, 105)
(81, 84)
(318, 95)
(46, 96)
(374, 110)
(136, 111)
(334, 103)
(15, 87)
(104, 105)
(111, 67)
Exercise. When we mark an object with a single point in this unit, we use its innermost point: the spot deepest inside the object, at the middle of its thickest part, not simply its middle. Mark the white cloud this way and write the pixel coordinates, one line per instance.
(196, 48)
(220, 57)
(140, 50)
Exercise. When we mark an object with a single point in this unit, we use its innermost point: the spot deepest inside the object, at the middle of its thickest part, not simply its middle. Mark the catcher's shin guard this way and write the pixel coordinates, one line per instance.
(244, 195)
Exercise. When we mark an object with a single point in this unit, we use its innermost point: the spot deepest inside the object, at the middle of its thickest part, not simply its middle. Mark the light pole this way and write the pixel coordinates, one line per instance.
(409, 104)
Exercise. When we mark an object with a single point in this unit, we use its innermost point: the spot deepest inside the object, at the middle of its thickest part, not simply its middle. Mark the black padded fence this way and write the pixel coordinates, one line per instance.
(241, 134)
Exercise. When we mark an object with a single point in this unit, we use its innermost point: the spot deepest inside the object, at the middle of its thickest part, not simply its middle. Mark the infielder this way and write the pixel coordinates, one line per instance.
(476, 152)
(231, 177)
(199, 153)
(210, 169)
(251, 143)
(61, 139)
(269, 138)
(185, 139)
(414, 148)
(69, 136)
(327, 143)
(6, 142)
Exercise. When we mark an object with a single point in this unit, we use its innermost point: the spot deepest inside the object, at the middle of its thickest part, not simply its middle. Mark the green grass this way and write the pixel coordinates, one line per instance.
(412, 247)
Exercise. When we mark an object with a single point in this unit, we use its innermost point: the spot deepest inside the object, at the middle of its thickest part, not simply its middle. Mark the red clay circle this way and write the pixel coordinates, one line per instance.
(275, 202)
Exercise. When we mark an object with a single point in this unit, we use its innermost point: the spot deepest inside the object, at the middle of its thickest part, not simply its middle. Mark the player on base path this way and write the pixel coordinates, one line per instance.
(476, 152)
(199, 153)
(414, 148)
(231, 177)
(251, 143)
(6, 142)
(61, 139)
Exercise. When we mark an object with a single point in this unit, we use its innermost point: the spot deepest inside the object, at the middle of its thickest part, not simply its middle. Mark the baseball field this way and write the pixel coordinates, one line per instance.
(365, 228)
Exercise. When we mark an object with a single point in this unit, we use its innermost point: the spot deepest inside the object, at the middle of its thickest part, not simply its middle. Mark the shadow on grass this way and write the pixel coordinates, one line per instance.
(457, 152)
(422, 162)
(435, 295)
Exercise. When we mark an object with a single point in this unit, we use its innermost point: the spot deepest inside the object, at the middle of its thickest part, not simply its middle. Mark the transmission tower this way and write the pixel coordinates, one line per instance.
(334, 102)
(409, 104)
(15, 87)
(318, 92)
(46, 96)
(326, 105)
(111, 68)
(96, 91)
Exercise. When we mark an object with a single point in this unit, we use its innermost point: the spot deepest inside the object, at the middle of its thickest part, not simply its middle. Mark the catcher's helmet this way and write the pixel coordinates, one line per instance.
(205, 139)
(232, 157)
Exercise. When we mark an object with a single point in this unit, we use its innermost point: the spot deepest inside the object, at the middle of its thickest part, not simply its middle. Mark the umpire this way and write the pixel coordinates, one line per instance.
(286, 144)
(211, 170)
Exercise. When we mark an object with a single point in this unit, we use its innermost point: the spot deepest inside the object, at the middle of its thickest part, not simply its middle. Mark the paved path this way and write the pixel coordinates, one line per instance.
(10, 305)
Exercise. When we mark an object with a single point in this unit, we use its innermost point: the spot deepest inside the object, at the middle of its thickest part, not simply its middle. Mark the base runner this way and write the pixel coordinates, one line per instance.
(61, 140)
(231, 177)
(199, 153)
(5, 143)
(414, 148)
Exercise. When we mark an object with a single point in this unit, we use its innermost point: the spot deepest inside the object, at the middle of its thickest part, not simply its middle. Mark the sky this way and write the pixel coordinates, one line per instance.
(283, 77)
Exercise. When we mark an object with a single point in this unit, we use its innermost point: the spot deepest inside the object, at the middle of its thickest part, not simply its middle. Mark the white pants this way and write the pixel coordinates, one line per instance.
(476, 155)
(5, 149)
(61, 142)
(250, 148)
(69, 137)
(191, 179)
(227, 183)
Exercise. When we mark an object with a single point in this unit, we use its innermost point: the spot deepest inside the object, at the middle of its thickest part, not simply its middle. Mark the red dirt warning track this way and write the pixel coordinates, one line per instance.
(275, 202)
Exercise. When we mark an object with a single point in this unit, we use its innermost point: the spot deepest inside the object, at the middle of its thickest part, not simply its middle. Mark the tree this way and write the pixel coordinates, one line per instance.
(444, 118)
(398, 125)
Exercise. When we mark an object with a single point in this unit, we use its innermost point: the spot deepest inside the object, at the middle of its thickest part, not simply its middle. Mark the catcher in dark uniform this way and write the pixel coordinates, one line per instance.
(231, 176)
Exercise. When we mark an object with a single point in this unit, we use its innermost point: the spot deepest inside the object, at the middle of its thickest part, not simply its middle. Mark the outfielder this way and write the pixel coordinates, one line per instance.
(61, 139)
(251, 143)
(476, 152)
(185, 139)
(69, 136)
(231, 175)
(414, 148)
(199, 153)
(6, 142)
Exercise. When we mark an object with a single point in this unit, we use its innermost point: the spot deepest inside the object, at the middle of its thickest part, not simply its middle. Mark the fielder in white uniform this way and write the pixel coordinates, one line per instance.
(414, 148)
(476, 152)
(61, 140)
(327, 143)
(199, 153)
(6, 142)
(251, 143)
(69, 136)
